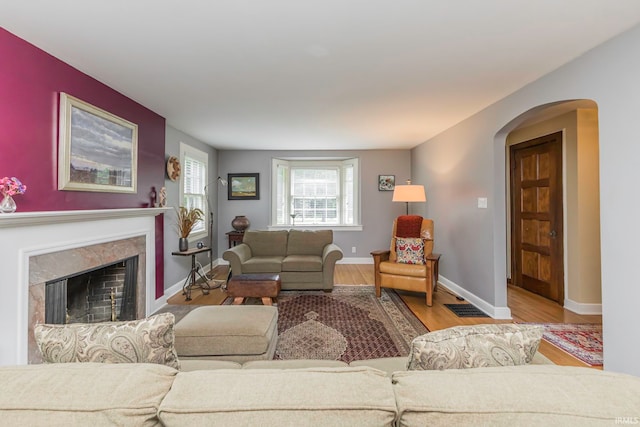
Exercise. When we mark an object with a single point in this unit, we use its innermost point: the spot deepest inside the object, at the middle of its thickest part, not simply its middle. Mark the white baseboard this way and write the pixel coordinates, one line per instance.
(493, 311)
(582, 308)
(175, 288)
(356, 260)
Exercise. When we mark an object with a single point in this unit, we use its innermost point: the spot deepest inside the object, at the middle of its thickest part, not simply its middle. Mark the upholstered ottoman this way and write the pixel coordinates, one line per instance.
(238, 333)
(265, 286)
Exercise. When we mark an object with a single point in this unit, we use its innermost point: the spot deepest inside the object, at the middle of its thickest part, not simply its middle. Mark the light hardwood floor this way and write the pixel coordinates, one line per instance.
(525, 307)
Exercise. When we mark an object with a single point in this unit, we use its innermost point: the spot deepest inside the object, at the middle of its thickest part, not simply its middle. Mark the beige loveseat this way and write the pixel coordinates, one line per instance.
(304, 259)
(81, 394)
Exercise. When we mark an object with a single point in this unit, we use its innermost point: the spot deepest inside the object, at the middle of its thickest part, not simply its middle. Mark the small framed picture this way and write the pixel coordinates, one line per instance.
(386, 182)
(243, 186)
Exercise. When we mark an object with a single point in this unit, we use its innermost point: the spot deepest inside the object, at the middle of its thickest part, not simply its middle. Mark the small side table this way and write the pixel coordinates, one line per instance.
(190, 281)
(235, 237)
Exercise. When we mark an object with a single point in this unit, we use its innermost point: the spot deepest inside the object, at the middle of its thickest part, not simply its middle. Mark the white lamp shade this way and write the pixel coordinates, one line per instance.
(409, 193)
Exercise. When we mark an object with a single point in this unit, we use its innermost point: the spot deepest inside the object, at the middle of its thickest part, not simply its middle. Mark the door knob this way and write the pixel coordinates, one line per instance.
(553, 234)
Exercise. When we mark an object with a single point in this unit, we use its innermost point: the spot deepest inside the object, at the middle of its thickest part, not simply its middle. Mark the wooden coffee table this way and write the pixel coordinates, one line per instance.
(265, 286)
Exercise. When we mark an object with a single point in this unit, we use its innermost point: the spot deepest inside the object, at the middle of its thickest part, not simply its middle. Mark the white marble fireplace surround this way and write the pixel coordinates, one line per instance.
(25, 236)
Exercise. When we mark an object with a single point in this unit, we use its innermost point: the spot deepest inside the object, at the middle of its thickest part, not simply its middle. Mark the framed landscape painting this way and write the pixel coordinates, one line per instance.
(98, 151)
(243, 186)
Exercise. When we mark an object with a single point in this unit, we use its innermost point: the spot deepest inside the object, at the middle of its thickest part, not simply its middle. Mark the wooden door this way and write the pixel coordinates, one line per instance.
(537, 236)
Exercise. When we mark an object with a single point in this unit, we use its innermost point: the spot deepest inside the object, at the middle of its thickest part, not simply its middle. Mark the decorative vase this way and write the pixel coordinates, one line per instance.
(183, 244)
(240, 223)
(7, 205)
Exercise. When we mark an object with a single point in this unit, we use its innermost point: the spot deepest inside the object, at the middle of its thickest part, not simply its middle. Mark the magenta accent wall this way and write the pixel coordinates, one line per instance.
(30, 83)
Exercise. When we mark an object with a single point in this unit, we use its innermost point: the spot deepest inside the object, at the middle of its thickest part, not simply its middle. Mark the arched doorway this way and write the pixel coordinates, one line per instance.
(577, 120)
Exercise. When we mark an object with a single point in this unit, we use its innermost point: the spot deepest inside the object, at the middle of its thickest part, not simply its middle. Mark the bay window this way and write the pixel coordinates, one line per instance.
(315, 192)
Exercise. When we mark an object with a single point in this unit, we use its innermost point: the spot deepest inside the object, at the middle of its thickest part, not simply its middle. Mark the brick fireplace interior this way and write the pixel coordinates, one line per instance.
(103, 294)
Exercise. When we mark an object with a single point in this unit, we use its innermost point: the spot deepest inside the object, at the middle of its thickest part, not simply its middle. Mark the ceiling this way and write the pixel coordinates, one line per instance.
(316, 74)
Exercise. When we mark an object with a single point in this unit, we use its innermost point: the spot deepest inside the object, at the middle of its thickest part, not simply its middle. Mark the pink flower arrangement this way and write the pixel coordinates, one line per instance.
(11, 186)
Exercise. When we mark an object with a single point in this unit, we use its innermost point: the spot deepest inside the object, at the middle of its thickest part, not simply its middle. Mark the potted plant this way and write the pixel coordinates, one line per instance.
(186, 220)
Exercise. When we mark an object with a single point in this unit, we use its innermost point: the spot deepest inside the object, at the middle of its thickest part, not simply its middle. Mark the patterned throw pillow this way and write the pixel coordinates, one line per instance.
(147, 340)
(410, 250)
(475, 346)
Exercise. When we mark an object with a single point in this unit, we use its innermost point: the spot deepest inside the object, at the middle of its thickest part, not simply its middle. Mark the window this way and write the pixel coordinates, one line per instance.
(315, 192)
(192, 184)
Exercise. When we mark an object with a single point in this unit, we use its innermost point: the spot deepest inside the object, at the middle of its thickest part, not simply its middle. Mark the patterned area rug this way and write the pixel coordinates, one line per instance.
(347, 324)
(581, 340)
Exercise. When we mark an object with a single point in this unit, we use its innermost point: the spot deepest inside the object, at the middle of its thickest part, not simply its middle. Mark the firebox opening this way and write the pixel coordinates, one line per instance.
(103, 294)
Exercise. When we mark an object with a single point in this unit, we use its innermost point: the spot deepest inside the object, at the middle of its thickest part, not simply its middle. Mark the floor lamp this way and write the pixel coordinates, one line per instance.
(409, 193)
(222, 182)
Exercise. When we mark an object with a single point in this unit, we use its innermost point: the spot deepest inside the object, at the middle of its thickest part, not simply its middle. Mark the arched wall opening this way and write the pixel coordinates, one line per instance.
(578, 122)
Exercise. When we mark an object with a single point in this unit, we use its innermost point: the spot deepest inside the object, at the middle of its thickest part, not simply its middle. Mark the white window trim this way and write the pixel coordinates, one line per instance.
(357, 226)
(194, 153)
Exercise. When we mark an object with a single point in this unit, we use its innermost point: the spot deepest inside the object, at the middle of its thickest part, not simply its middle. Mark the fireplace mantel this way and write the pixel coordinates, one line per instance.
(26, 236)
(48, 217)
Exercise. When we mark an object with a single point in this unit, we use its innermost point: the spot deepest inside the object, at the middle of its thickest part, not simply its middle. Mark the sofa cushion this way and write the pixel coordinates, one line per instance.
(386, 364)
(390, 365)
(301, 280)
(475, 346)
(266, 243)
(262, 264)
(275, 397)
(542, 395)
(302, 263)
(188, 365)
(308, 242)
(227, 330)
(293, 364)
(83, 394)
(413, 270)
(149, 340)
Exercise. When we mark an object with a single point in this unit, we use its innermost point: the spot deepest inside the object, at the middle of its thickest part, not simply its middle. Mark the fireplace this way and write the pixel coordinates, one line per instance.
(40, 247)
(73, 267)
(107, 293)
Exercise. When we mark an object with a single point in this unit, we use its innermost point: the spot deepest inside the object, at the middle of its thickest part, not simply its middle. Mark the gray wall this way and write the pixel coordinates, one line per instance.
(378, 212)
(468, 161)
(176, 268)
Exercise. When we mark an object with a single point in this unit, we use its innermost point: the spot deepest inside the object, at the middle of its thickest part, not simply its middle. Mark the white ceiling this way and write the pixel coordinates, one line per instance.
(316, 74)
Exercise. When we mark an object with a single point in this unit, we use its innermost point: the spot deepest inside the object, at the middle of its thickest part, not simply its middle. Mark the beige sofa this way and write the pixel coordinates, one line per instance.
(244, 395)
(304, 259)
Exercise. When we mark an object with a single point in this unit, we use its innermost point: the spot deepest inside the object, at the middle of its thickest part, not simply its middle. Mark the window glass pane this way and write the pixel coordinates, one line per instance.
(281, 206)
(193, 190)
(348, 194)
(313, 190)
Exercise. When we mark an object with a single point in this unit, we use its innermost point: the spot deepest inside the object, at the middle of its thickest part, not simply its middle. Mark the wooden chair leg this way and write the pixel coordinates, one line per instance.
(266, 300)
(433, 277)
(238, 300)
